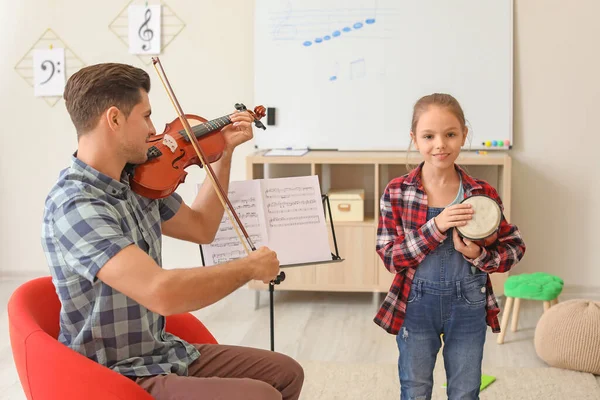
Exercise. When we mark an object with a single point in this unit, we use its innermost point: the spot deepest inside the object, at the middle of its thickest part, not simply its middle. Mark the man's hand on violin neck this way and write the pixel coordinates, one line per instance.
(239, 131)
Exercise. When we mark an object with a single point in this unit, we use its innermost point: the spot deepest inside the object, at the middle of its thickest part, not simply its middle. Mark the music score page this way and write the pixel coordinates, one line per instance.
(284, 214)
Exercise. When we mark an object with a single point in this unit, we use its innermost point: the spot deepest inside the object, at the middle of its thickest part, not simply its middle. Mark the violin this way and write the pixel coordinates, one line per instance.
(171, 154)
(172, 151)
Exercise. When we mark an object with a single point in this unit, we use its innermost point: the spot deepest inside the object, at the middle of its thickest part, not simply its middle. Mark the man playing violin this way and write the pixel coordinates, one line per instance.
(103, 245)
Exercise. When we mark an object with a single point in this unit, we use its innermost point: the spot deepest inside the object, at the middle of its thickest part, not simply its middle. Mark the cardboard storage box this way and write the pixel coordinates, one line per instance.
(347, 205)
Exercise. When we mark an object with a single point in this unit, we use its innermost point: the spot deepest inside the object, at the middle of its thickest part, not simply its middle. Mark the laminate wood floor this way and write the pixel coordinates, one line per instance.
(309, 326)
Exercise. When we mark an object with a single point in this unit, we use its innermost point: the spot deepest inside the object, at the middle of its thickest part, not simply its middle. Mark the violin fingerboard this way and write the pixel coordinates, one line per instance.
(206, 127)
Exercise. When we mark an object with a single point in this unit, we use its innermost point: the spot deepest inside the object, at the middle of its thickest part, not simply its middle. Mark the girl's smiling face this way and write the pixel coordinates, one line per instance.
(439, 136)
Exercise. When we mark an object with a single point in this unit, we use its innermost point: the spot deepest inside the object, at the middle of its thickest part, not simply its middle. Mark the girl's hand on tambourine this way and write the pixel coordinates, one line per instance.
(456, 215)
(467, 247)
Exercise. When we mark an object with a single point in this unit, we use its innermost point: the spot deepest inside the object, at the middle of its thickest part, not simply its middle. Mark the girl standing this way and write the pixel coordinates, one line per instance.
(442, 286)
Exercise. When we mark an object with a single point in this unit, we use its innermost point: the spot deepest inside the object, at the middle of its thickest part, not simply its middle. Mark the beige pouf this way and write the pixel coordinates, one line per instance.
(568, 336)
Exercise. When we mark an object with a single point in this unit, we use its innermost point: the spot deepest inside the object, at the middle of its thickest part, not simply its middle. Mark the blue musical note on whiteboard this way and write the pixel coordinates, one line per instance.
(338, 32)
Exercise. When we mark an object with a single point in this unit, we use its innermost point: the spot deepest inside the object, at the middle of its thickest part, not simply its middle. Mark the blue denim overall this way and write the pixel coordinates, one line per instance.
(447, 297)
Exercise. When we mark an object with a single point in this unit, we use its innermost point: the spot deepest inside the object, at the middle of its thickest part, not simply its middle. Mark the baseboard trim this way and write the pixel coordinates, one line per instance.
(21, 275)
(580, 292)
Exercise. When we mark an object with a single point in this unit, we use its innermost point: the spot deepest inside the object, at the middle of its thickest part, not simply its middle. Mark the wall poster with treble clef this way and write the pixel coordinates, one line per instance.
(144, 29)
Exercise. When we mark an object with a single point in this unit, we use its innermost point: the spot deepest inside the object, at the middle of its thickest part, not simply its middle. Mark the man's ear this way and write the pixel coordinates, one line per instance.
(113, 118)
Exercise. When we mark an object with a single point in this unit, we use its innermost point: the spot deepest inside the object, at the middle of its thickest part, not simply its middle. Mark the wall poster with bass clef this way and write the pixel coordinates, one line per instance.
(46, 65)
(48, 72)
(144, 29)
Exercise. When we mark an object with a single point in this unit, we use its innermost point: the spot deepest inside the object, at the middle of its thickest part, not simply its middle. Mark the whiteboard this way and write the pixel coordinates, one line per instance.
(345, 74)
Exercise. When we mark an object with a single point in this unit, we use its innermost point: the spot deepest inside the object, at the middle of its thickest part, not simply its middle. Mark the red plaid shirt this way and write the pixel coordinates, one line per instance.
(405, 237)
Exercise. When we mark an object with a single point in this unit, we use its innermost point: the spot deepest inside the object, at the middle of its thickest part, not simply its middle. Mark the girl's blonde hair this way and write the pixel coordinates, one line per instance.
(435, 99)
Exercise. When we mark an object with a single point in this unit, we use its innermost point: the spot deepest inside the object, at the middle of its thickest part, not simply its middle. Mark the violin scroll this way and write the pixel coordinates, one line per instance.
(258, 113)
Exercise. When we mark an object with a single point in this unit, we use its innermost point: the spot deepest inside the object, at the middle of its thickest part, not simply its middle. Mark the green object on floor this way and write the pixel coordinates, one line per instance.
(536, 286)
(486, 380)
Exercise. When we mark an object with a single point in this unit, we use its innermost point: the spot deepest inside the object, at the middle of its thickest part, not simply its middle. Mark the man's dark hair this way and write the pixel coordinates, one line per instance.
(93, 89)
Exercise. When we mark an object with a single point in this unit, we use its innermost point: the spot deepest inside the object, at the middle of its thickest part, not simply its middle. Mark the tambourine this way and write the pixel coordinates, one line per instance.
(482, 228)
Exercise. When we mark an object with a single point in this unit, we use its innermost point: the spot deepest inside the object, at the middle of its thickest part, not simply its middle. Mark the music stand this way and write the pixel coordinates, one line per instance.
(335, 258)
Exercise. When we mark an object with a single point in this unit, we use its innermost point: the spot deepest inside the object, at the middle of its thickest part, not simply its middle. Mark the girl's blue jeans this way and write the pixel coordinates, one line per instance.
(456, 310)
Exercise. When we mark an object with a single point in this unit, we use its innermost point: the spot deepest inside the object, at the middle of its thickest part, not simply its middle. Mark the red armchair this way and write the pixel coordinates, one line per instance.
(49, 370)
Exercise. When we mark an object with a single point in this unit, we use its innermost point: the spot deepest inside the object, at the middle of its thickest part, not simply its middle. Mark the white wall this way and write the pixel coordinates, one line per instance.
(557, 161)
(557, 94)
(210, 68)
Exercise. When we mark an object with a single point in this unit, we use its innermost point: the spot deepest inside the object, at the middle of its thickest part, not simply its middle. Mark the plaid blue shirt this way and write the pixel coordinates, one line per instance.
(89, 217)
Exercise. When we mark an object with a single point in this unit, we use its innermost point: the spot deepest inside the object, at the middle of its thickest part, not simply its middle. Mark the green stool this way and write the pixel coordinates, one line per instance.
(537, 286)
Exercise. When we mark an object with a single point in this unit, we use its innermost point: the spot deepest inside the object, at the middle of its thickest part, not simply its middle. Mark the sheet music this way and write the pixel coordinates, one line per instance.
(247, 202)
(295, 220)
(284, 214)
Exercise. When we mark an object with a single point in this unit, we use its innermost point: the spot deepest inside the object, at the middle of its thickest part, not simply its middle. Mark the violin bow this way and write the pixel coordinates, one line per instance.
(217, 186)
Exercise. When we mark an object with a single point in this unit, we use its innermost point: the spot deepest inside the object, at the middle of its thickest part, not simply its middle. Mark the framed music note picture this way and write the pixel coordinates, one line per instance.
(144, 29)
(49, 72)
